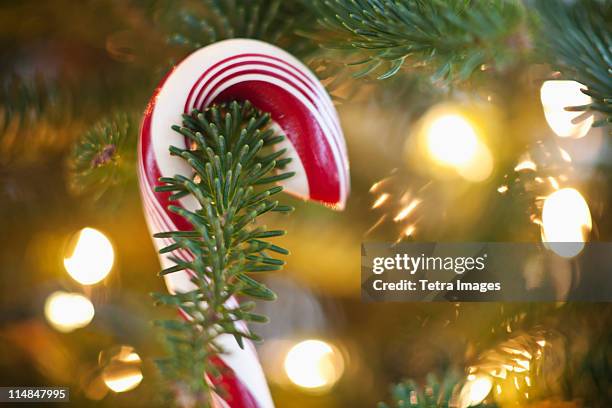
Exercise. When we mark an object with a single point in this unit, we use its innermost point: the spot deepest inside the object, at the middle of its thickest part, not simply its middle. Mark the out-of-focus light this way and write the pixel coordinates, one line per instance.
(558, 95)
(68, 311)
(405, 212)
(92, 258)
(381, 200)
(526, 164)
(475, 390)
(121, 370)
(480, 167)
(566, 222)
(452, 141)
(314, 364)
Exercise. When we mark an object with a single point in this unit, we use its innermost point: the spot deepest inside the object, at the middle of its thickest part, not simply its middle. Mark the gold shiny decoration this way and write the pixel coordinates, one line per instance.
(512, 367)
(68, 311)
(405, 211)
(92, 257)
(380, 200)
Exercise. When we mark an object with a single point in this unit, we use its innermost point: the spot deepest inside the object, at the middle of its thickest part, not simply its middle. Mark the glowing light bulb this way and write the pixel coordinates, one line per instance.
(92, 258)
(452, 141)
(121, 371)
(558, 95)
(566, 221)
(480, 167)
(475, 390)
(68, 311)
(314, 364)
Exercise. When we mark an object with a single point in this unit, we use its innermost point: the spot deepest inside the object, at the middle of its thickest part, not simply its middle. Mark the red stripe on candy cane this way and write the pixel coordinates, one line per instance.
(209, 87)
(293, 71)
(293, 121)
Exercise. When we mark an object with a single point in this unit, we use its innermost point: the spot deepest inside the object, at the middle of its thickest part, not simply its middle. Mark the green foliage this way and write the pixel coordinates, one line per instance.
(26, 99)
(104, 158)
(435, 394)
(453, 37)
(233, 166)
(31, 108)
(201, 22)
(578, 38)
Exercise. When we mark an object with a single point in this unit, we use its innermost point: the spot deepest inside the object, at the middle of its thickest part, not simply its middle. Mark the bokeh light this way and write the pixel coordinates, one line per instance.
(121, 369)
(452, 141)
(566, 219)
(314, 365)
(558, 95)
(475, 390)
(92, 257)
(68, 311)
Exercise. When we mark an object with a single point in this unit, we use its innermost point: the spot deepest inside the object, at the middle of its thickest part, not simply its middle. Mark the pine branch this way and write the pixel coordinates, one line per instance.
(104, 158)
(203, 22)
(33, 110)
(454, 38)
(434, 394)
(231, 167)
(577, 37)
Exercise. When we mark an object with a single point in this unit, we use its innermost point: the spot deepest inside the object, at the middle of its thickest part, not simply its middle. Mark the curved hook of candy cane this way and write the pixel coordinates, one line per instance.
(274, 82)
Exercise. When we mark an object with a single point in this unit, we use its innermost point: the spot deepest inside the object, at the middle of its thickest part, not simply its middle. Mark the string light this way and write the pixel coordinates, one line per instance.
(452, 141)
(558, 95)
(122, 369)
(68, 311)
(566, 221)
(92, 257)
(475, 390)
(314, 365)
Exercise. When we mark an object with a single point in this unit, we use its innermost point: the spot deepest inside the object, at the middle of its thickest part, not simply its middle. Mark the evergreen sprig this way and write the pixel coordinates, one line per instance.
(104, 157)
(452, 37)
(435, 393)
(203, 22)
(233, 160)
(34, 115)
(577, 36)
(26, 99)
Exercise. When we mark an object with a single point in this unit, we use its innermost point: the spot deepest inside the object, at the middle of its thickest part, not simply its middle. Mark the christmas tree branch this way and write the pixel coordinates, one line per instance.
(435, 394)
(234, 163)
(200, 23)
(453, 37)
(577, 38)
(104, 158)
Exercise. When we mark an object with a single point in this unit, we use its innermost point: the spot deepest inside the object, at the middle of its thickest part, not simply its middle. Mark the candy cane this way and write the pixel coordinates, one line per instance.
(277, 83)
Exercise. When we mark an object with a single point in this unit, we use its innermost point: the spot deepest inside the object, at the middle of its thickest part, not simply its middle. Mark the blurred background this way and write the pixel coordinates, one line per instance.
(490, 157)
